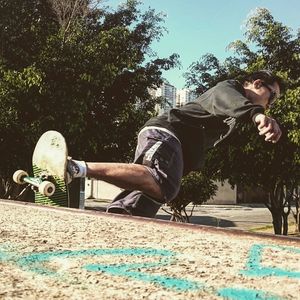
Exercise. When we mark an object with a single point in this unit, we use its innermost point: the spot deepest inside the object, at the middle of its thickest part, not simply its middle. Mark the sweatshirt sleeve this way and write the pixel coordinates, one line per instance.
(227, 98)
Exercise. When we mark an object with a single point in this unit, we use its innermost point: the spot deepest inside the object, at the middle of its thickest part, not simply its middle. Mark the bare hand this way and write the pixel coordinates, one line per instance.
(268, 127)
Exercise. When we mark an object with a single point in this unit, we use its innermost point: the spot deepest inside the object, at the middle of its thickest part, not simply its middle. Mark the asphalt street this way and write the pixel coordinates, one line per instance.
(245, 217)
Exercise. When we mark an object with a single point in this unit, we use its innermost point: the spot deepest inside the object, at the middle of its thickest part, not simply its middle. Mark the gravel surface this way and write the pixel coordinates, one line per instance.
(50, 253)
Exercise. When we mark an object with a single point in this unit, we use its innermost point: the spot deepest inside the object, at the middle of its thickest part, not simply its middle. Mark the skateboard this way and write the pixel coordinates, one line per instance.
(49, 164)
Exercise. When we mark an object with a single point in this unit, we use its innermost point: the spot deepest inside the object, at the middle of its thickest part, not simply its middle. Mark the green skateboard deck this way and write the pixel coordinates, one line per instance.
(49, 162)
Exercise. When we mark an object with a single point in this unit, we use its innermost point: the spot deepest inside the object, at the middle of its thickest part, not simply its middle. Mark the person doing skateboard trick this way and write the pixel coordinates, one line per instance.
(174, 143)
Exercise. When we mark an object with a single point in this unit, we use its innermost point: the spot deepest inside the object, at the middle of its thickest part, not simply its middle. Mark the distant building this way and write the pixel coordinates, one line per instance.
(172, 97)
(184, 96)
(168, 93)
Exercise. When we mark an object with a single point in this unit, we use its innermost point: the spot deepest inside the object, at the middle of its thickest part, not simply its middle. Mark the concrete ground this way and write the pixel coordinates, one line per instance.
(70, 254)
(244, 217)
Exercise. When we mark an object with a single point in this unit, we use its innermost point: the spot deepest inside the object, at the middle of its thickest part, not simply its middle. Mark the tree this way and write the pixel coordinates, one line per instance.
(83, 73)
(24, 29)
(275, 168)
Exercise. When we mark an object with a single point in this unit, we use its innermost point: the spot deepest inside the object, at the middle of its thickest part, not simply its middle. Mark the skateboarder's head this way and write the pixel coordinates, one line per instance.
(262, 87)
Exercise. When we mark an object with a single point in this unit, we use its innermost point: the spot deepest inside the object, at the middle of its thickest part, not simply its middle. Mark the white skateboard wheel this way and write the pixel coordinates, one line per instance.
(47, 188)
(19, 176)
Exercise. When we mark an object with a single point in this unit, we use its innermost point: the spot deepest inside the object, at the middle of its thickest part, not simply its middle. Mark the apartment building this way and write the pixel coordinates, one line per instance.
(184, 96)
(168, 93)
(172, 96)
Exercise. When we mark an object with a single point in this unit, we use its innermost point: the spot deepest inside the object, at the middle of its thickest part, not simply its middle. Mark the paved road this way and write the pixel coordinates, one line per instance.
(245, 217)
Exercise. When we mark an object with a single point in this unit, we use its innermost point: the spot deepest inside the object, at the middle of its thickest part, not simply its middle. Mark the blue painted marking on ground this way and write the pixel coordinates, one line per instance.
(34, 262)
(4, 256)
(143, 271)
(133, 271)
(245, 294)
(254, 266)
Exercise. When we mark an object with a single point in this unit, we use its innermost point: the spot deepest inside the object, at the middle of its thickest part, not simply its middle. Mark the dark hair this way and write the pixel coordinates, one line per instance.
(266, 76)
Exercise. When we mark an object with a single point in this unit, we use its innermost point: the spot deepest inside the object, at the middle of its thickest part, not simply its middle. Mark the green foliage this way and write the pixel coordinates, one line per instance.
(15, 115)
(24, 28)
(196, 188)
(205, 73)
(78, 69)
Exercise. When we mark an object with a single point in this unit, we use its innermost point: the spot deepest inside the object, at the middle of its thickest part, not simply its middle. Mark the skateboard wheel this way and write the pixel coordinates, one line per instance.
(19, 175)
(47, 188)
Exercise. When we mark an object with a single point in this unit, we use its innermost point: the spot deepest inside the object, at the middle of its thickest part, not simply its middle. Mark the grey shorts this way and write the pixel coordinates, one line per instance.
(161, 153)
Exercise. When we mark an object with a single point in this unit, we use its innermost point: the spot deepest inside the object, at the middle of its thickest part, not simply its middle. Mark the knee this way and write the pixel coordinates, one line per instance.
(171, 193)
(163, 189)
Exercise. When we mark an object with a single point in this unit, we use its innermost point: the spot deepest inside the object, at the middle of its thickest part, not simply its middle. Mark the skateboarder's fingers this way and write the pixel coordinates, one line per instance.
(265, 129)
(270, 126)
(262, 121)
(269, 137)
(276, 136)
(273, 136)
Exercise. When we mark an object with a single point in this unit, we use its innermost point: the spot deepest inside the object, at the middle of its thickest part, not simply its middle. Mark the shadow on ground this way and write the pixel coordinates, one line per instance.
(200, 220)
(204, 220)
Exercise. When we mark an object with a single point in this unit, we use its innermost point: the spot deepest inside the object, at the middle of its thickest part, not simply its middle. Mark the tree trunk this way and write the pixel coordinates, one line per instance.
(297, 206)
(276, 207)
(298, 222)
(285, 224)
(280, 202)
(277, 222)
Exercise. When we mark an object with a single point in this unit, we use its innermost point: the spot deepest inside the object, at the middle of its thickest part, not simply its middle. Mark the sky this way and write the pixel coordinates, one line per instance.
(197, 27)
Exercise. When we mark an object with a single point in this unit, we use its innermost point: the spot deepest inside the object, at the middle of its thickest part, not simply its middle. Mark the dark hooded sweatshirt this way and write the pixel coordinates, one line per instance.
(208, 121)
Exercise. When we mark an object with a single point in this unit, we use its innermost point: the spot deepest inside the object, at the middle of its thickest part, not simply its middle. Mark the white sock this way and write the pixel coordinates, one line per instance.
(82, 168)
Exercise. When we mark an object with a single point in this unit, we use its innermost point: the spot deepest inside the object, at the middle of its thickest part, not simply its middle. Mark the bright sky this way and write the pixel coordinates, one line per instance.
(197, 27)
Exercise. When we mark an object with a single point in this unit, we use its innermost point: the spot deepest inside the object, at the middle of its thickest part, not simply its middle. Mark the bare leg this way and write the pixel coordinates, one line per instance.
(126, 176)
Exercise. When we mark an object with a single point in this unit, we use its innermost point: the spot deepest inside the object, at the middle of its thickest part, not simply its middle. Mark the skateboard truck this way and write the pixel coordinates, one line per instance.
(40, 184)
